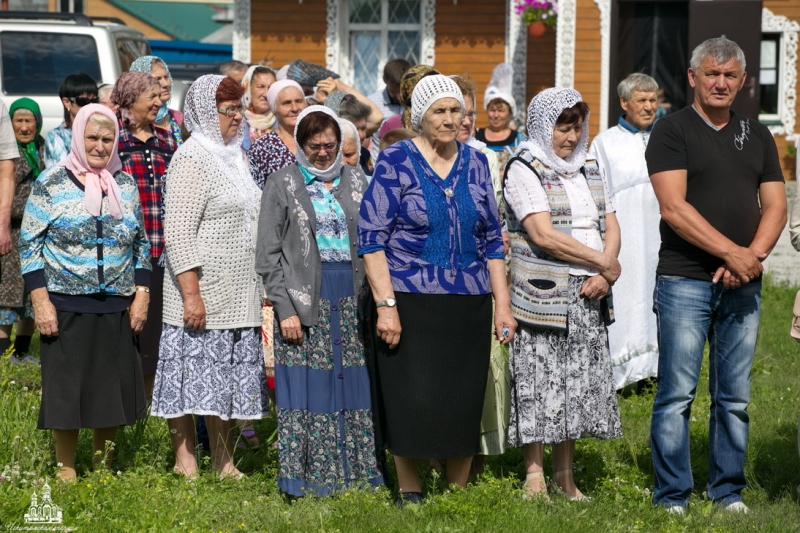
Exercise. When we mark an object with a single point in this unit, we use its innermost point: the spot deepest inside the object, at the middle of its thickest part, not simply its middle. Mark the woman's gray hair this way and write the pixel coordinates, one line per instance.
(719, 48)
(353, 110)
(636, 82)
(102, 121)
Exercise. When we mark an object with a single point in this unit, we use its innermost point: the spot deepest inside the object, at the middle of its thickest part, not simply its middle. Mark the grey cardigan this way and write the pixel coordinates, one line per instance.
(287, 257)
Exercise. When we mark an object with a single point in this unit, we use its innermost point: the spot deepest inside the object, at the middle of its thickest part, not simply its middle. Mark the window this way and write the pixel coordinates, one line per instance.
(769, 77)
(377, 31)
(778, 78)
(37, 63)
(70, 6)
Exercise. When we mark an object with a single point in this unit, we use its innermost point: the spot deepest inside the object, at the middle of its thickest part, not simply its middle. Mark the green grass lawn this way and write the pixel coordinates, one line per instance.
(140, 493)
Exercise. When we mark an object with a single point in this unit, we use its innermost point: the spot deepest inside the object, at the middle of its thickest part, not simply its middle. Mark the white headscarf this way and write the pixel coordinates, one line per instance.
(543, 112)
(202, 120)
(429, 90)
(501, 86)
(257, 122)
(330, 173)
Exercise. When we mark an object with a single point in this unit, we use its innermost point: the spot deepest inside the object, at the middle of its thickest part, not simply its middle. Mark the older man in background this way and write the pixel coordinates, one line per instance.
(619, 151)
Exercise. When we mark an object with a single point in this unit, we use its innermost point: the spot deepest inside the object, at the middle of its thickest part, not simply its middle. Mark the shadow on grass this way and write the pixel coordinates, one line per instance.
(774, 464)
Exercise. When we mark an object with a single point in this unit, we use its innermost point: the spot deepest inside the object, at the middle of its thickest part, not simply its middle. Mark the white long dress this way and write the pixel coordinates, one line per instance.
(633, 340)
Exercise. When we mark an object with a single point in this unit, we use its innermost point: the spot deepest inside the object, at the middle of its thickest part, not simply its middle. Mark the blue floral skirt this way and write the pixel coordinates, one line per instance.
(326, 440)
(213, 372)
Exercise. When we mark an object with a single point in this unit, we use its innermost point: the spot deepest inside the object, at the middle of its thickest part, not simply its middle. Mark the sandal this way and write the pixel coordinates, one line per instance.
(251, 438)
(558, 490)
(535, 486)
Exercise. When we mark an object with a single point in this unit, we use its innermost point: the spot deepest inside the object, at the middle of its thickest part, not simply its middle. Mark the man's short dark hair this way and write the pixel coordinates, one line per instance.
(394, 70)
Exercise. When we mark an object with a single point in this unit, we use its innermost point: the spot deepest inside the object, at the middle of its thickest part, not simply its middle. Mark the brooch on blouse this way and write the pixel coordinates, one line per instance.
(448, 192)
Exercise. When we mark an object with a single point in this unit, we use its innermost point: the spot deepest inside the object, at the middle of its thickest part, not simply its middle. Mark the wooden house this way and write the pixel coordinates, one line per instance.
(596, 44)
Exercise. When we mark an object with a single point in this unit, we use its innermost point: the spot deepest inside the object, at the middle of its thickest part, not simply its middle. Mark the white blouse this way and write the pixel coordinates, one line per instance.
(525, 195)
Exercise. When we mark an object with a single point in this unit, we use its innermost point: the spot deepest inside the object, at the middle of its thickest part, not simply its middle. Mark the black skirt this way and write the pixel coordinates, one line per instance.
(432, 384)
(150, 337)
(91, 374)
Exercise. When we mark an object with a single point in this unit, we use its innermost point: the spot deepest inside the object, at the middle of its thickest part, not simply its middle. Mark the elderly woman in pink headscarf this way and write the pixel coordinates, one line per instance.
(86, 262)
(276, 150)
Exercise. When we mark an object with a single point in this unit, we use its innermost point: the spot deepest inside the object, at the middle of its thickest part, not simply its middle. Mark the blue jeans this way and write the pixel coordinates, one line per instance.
(688, 312)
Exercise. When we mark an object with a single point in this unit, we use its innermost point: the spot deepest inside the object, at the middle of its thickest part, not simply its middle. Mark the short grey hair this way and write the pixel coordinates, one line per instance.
(719, 48)
(636, 82)
(102, 121)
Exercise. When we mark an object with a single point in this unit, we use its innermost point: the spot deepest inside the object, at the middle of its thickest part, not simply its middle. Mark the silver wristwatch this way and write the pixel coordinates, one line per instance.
(388, 302)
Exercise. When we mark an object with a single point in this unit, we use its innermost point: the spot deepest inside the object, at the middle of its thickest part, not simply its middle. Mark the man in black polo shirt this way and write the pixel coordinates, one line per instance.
(720, 189)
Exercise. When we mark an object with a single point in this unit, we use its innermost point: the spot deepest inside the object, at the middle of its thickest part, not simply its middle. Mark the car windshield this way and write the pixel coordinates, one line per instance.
(36, 64)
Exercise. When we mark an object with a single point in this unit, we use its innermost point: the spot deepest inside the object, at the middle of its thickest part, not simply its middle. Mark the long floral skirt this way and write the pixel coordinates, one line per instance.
(562, 385)
(326, 440)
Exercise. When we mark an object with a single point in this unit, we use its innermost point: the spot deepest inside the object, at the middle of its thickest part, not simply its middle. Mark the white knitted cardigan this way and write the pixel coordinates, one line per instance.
(203, 229)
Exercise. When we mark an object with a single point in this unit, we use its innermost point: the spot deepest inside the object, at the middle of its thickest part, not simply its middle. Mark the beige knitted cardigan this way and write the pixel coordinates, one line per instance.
(204, 229)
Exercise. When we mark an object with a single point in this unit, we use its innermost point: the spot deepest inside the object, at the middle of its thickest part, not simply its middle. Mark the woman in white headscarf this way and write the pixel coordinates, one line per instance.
(564, 245)
(307, 258)
(211, 356)
(258, 115)
(276, 150)
(429, 233)
(498, 101)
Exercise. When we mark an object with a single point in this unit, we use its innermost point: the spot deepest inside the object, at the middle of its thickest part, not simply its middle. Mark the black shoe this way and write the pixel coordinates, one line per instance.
(405, 498)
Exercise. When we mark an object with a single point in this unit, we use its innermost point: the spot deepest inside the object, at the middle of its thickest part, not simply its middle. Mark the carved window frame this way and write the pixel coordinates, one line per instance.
(337, 38)
(787, 82)
(241, 30)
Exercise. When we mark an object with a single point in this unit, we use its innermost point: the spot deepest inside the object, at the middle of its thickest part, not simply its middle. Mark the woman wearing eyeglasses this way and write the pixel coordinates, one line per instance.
(307, 258)
(77, 90)
(210, 358)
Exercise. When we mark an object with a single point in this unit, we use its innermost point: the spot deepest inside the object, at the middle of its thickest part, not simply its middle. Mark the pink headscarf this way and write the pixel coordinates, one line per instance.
(98, 181)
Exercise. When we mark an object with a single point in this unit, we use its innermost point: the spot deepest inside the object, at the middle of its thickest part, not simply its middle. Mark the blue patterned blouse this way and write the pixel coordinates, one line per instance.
(87, 263)
(57, 145)
(332, 238)
(437, 233)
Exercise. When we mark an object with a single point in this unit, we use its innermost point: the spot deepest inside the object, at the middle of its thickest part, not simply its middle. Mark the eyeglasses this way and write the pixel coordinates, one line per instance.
(231, 112)
(316, 148)
(84, 100)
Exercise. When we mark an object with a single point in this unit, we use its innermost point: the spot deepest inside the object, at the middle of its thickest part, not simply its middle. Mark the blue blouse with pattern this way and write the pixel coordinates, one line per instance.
(333, 240)
(437, 233)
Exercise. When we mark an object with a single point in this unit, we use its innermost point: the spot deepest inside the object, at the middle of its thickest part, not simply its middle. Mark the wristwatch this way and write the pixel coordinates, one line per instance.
(388, 302)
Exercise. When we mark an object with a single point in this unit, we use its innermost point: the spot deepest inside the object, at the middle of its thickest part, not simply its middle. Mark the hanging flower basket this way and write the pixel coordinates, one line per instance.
(537, 29)
(538, 15)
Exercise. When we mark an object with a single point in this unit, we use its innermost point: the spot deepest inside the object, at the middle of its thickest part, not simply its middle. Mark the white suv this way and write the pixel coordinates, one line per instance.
(38, 50)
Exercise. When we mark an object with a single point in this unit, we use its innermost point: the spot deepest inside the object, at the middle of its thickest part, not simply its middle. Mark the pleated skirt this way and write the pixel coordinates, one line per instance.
(432, 384)
(91, 374)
